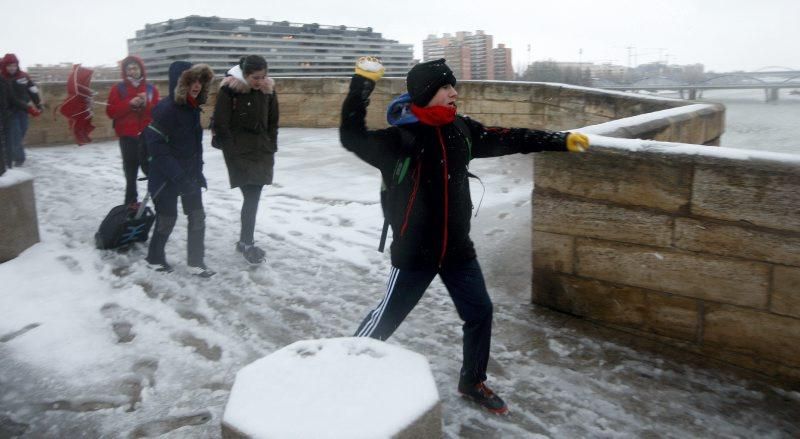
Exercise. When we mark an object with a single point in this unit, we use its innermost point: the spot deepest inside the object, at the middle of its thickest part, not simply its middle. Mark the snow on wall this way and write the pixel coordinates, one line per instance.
(13, 177)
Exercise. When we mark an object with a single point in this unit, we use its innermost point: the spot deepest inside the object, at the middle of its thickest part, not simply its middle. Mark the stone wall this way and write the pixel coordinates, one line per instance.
(316, 103)
(695, 246)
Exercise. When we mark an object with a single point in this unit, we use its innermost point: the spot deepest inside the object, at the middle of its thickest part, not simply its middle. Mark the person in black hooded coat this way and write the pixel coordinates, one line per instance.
(424, 161)
(246, 129)
(174, 141)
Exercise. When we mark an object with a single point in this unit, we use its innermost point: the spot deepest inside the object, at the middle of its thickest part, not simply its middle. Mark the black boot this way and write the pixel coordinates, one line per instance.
(252, 254)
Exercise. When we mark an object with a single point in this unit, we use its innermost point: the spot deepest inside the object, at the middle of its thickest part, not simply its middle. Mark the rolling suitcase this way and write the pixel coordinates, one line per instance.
(125, 225)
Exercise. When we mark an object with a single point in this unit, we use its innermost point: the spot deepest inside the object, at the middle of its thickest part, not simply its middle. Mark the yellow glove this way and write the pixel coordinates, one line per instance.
(370, 68)
(577, 142)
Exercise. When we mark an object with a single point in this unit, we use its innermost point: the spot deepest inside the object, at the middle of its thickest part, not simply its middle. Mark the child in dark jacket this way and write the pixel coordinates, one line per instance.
(175, 151)
(429, 207)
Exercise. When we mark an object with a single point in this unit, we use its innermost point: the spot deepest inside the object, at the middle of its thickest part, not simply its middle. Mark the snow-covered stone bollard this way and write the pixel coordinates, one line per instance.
(18, 221)
(335, 388)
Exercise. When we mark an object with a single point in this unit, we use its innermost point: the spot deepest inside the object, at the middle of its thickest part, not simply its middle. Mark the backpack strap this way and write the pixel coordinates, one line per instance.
(149, 87)
(398, 175)
(153, 127)
(123, 90)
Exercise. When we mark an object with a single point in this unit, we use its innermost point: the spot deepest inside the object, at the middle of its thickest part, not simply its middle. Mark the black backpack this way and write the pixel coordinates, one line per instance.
(401, 169)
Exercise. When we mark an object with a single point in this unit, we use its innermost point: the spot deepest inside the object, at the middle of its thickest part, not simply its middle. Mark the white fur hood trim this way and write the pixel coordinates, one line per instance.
(236, 82)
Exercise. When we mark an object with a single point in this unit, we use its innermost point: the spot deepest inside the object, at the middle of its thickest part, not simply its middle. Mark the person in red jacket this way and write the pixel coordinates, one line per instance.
(130, 103)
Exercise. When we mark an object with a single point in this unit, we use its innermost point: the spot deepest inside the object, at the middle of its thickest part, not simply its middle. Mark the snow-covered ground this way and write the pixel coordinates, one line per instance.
(93, 344)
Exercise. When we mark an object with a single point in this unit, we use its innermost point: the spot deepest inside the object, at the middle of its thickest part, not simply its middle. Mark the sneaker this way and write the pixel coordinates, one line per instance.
(484, 396)
(201, 271)
(161, 268)
(252, 254)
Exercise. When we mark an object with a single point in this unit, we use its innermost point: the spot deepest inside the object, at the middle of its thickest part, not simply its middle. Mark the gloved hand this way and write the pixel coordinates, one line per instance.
(577, 142)
(370, 68)
(34, 110)
(137, 103)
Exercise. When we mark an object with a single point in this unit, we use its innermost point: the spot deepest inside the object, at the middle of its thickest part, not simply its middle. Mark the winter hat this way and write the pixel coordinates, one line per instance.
(425, 79)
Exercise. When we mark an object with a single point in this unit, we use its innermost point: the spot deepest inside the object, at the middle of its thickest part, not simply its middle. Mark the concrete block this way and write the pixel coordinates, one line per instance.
(738, 192)
(355, 387)
(786, 291)
(754, 333)
(737, 240)
(694, 275)
(18, 219)
(672, 316)
(506, 92)
(596, 220)
(635, 179)
(553, 252)
(601, 301)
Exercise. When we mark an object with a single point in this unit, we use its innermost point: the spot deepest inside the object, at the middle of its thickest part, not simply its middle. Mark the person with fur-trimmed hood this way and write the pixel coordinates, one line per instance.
(26, 100)
(175, 151)
(423, 159)
(130, 104)
(246, 129)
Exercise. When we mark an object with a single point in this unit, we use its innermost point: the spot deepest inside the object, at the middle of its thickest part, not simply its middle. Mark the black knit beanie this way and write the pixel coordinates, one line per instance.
(425, 79)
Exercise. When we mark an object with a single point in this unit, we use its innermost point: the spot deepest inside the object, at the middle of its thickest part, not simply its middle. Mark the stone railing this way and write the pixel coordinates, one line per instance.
(316, 103)
(691, 245)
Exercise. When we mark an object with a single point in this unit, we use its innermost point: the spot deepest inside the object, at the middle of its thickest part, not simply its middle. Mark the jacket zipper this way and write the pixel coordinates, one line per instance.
(446, 202)
(416, 177)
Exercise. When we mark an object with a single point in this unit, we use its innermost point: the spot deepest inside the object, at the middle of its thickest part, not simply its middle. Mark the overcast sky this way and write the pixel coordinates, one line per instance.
(724, 35)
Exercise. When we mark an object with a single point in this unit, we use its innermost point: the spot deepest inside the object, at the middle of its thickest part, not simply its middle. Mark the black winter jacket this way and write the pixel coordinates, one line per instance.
(175, 136)
(246, 129)
(430, 209)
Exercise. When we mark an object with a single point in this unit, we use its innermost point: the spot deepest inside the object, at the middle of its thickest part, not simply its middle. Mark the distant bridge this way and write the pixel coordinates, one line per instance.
(770, 89)
(770, 81)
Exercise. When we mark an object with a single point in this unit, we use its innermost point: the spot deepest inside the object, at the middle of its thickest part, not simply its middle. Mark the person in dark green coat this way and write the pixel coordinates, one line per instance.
(246, 129)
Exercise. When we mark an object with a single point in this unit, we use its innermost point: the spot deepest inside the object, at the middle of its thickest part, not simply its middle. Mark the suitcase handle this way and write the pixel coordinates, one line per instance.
(143, 205)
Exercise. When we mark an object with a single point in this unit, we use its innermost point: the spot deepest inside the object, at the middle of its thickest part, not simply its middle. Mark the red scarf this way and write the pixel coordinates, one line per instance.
(437, 115)
(191, 101)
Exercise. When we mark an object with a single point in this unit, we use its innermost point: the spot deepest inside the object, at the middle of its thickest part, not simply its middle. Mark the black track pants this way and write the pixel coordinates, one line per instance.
(464, 282)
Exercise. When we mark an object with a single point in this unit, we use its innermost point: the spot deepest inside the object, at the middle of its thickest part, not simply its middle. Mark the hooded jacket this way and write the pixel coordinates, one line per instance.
(129, 121)
(23, 89)
(175, 137)
(246, 127)
(429, 209)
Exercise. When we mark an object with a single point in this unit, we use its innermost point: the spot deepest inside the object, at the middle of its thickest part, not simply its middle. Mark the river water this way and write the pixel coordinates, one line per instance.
(752, 123)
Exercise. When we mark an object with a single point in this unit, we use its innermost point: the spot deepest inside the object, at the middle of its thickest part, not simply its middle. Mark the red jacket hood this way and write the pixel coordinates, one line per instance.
(127, 61)
(10, 58)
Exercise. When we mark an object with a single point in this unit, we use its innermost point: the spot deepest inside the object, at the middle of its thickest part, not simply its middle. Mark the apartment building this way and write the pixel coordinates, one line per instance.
(470, 55)
(291, 49)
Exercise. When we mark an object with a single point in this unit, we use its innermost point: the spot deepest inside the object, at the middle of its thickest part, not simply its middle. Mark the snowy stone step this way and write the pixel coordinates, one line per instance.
(335, 388)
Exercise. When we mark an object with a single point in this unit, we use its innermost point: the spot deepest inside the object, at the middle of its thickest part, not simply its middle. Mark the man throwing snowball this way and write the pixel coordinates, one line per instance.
(423, 160)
